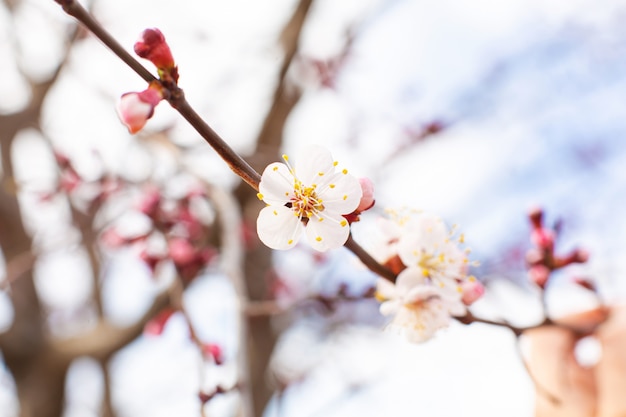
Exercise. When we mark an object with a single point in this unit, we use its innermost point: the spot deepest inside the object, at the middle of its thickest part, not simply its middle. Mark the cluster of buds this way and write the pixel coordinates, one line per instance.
(134, 109)
(187, 235)
(542, 259)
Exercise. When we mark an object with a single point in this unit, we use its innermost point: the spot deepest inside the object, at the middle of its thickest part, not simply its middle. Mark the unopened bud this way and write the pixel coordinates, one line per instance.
(156, 326)
(472, 291)
(542, 238)
(367, 198)
(535, 215)
(134, 109)
(213, 351)
(539, 274)
(181, 252)
(153, 47)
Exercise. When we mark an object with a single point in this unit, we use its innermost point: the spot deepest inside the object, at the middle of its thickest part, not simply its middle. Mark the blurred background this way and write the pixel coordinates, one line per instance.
(475, 111)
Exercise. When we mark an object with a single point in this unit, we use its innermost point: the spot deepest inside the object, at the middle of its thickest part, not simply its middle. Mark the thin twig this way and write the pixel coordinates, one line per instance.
(74, 9)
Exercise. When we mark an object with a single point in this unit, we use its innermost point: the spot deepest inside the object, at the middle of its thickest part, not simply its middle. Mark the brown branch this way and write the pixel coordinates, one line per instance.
(17, 268)
(369, 261)
(74, 9)
(174, 95)
(105, 338)
(235, 162)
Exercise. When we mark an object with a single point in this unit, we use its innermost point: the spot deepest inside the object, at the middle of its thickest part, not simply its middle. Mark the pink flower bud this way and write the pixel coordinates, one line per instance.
(539, 274)
(535, 215)
(543, 238)
(472, 291)
(213, 351)
(182, 252)
(113, 239)
(153, 47)
(367, 199)
(150, 201)
(575, 256)
(156, 326)
(134, 109)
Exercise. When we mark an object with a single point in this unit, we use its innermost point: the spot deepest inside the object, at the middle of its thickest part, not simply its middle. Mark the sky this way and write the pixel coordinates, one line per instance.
(531, 94)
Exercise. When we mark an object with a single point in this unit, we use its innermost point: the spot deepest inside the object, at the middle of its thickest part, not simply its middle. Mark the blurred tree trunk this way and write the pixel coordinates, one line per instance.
(39, 376)
(258, 263)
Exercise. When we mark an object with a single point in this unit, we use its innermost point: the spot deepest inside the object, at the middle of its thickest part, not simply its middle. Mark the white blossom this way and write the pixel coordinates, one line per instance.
(424, 242)
(419, 307)
(312, 198)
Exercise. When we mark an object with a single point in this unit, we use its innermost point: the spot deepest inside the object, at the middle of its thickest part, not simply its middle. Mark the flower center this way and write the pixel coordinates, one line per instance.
(431, 264)
(305, 202)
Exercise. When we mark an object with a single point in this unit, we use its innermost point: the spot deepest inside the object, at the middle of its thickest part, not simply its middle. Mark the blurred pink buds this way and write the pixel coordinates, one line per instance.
(472, 290)
(539, 274)
(213, 351)
(153, 47)
(156, 326)
(134, 109)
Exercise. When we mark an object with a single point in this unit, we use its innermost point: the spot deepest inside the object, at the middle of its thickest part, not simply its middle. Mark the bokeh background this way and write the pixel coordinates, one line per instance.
(475, 111)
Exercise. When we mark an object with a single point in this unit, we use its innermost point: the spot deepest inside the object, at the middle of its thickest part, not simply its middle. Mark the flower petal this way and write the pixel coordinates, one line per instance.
(276, 186)
(327, 231)
(314, 164)
(278, 227)
(385, 289)
(390, 307)
(410, 278)
(342, 194)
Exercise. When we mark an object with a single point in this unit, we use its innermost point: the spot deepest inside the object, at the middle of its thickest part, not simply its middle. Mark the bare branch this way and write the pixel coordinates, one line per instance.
(105, 339)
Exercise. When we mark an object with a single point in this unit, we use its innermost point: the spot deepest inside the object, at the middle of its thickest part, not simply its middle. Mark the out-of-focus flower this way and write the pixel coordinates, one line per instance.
(419, 307)
(317, 195)
(426, 243)
(134, 109)
(152, 46)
